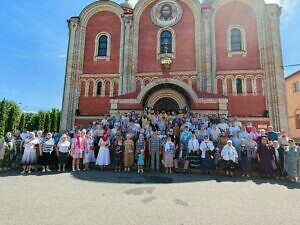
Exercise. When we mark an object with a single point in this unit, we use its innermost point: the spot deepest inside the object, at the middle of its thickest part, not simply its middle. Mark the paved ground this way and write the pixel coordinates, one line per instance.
(111, 198)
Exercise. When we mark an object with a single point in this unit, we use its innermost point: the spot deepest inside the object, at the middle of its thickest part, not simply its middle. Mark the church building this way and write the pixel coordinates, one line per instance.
(209, 57)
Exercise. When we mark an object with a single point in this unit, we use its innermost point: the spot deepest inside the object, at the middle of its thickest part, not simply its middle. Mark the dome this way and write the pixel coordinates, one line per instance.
(126, 4)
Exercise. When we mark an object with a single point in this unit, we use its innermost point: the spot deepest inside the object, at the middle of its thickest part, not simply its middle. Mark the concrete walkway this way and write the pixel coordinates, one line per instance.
(116, 198)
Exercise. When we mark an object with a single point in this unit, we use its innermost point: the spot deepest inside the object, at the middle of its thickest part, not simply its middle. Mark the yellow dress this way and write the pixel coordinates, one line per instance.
(128, 153)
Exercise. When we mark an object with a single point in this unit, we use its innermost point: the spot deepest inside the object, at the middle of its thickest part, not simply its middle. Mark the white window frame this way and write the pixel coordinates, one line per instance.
(96, 57)
(296, 87)
(243, 52)
(171, 55)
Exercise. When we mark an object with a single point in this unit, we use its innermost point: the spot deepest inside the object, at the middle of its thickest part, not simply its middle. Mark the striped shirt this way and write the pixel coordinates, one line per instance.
(155, 143)
(47, 145)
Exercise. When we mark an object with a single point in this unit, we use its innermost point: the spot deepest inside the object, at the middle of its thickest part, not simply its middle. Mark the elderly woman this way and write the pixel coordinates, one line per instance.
(128, 153)
(265, 157)
(246, 155)
(207, 154)
(62, 152)
(292, 160)
(9, 152)
(169, 151)
(46, 148)
(29, 156)
(230, 156)
(181, 155)
(89, 153)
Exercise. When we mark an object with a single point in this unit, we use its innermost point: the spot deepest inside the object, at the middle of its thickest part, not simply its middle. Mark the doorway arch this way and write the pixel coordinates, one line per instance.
(166, 104)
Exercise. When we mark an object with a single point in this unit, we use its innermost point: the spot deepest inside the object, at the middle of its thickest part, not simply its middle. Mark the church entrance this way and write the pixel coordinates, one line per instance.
(166, 104)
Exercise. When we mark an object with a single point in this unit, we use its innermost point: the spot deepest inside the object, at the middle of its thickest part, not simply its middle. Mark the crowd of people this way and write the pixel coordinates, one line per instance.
(157, 140)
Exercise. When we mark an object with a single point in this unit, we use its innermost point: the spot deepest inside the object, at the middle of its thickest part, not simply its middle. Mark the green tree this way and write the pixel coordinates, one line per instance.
(54, 120)
(22, 121)
(12, 120)
(47, 126)
(41, 120)
(3, 117)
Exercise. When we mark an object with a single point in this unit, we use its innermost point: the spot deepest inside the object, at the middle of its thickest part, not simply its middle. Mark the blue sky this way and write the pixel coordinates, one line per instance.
(33, 47)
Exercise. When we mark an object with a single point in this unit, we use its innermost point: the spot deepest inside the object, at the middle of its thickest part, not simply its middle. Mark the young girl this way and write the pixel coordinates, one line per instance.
(29, 156)
(141, 161)
(89, 155)
(117, 148)
(140, 152)
(76, 150)
(103, 158)
(169, 153)
(128, 153)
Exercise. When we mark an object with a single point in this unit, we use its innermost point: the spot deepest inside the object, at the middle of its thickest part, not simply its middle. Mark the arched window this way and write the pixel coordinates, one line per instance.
(165, 42)
(99, 88)
(239, 86)
(102, 47)
(236, 40)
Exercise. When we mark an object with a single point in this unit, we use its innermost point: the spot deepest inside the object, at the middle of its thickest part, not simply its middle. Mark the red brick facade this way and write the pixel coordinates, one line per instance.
(206, 75)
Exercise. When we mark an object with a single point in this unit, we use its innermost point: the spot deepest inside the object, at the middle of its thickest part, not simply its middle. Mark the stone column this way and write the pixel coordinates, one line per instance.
(279, 120)
(66, 119)
(208, 78)
(127, 80)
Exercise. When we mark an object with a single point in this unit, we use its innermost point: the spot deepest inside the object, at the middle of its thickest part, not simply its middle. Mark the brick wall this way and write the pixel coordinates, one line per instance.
(185, 42)
(102, 22)
(236, 13)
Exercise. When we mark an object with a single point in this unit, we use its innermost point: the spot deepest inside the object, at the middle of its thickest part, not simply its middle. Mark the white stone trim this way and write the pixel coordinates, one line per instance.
(96, 56)
(166, 93)
(230, 52)
(158, 44)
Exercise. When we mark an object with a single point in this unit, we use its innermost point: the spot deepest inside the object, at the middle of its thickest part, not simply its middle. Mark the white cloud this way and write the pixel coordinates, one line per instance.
(61, 56)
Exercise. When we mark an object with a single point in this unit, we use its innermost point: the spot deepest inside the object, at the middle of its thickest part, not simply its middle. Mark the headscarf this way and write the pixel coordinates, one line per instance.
(105, 137)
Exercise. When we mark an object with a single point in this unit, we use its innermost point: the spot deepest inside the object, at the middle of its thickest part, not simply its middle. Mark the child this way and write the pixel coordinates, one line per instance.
(140, 152)
(141, 161)
(89, 155)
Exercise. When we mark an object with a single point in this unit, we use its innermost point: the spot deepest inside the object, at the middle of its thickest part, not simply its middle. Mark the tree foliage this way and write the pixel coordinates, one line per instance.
(12, 118)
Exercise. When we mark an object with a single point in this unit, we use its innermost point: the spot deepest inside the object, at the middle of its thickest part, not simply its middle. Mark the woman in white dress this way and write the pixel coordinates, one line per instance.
(29, 156)
(103, 158)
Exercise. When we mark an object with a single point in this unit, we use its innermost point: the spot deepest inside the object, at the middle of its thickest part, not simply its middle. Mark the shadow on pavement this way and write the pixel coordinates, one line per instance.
(155, 178)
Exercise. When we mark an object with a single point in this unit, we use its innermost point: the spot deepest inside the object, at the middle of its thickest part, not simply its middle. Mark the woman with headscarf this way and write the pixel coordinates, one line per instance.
(292, 161)
(265, 157)
(62, 152)
(128, 153)
(76, 150)
(103, 158)
(89, 153)
(117, 150)
(46, 148)
(29, 156)
(230, 156)
(207, 154)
